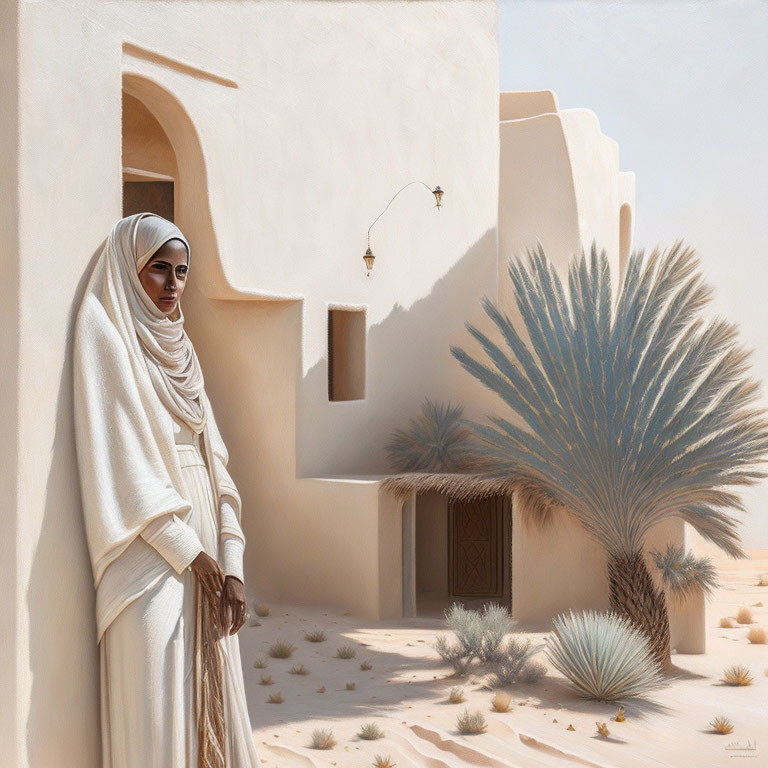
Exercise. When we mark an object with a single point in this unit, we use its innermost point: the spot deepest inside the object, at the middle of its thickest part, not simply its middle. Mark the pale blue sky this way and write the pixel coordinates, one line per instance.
(682, 85)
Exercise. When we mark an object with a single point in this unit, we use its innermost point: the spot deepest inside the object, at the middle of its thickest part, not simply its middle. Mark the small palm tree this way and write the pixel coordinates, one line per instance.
(630, 413)
(684, 574)
(436, 441)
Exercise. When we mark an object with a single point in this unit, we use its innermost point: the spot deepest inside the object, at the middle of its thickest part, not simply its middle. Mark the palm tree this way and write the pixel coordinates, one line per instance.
(436, 441)
(631, 413)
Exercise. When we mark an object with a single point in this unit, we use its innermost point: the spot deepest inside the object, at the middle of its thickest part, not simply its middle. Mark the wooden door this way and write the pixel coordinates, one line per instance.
(478, 546)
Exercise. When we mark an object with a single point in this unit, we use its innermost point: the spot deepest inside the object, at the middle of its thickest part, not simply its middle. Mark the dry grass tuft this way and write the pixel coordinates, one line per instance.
(346, 652)
(370, 732)
(727, 622)
(602, 728)
(299, 670)
(275, 698)
(315, 636)
(281, 649)
(757, 635)
(722, 724)
(737, 674)
(322, 738)
(471, 722)
(456, 696)
(261, 609)
(260, 663)
(762, 580)
(321, 689)
(744, 616)
(266, 680)
(501, 702)
(383, 762)
(366, 665)
(350, 686)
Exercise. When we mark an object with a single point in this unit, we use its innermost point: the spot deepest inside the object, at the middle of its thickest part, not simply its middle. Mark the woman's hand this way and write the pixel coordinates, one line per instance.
(211, 579)
(235, 605)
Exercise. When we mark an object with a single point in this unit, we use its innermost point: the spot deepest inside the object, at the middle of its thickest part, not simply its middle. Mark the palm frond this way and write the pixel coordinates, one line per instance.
(435, 441)
(625, 411)
(684, 574)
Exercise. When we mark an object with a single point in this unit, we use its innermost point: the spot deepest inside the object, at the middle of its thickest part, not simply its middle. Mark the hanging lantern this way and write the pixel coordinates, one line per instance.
(368, 258)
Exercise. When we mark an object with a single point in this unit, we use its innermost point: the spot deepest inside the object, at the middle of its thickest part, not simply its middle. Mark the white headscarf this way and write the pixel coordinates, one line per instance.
(171, 360)
(133, 368)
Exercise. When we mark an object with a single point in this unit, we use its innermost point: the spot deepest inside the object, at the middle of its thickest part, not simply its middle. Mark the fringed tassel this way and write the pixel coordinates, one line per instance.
(210, 698)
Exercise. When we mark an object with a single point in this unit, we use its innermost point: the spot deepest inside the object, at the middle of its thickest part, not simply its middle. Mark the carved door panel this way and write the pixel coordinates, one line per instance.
(476, 547)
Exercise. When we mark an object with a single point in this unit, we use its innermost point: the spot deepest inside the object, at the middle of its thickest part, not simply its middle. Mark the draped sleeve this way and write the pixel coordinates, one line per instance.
(129, 470)
(232, 539)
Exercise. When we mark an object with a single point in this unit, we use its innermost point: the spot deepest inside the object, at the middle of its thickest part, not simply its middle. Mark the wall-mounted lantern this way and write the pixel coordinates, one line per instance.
(369, 256)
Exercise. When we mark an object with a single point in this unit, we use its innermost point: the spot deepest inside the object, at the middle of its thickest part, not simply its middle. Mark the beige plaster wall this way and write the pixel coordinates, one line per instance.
(292, 125)
(10, 608)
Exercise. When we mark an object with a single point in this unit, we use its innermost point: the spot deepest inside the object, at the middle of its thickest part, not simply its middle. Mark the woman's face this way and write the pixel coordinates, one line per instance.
(165, 275)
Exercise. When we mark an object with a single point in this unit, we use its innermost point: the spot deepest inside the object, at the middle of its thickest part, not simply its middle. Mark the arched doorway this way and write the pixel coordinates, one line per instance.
(149, 162)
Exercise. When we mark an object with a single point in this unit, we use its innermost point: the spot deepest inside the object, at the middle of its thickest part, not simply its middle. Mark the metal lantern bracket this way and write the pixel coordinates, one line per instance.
(437, 192)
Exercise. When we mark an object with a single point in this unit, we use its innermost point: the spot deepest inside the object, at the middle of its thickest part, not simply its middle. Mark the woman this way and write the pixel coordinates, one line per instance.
(162, 515)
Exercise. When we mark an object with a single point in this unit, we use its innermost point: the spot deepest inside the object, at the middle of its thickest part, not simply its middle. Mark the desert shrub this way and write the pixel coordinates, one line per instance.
(261, 609)
(762, 580)
(281, 649)
(603, 655)
(275, 698)
(321, 689)
(757, 635)
(476, 635)
(266, 680)
(532, 672)
(370, 732)
(456, 696)
(299, 670)
(260, 663)
(737, 674)
(727, 622)
(366, 665)
(379, 761)
(346, 652)
(322, 738)
(510, 661)
(722, 724)
(744, 615)
(602, 728)
(350, 686)
(471, 722)
(315, 636)
(501, 701)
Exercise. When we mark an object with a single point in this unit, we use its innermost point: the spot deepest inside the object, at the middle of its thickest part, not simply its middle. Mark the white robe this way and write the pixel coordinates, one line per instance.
(147, 649)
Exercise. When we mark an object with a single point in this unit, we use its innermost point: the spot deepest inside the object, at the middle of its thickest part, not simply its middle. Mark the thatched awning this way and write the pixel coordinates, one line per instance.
(536, 505)
(459, 485)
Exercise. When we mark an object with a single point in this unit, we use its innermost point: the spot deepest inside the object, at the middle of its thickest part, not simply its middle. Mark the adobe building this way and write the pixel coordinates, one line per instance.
(273, 134)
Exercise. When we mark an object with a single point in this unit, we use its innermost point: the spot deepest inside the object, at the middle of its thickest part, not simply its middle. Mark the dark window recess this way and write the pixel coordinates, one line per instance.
(346, 354)
(153, 196)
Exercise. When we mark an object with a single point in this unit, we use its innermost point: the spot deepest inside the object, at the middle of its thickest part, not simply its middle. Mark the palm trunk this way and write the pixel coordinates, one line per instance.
(634, 595)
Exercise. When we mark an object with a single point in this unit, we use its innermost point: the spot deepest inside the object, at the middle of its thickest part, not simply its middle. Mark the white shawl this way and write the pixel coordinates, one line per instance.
(132, 367)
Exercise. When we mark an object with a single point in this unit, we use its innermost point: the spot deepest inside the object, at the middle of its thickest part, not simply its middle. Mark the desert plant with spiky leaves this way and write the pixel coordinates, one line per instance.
(435, 441)
(625, 412)
(683, 574)
(603, 655)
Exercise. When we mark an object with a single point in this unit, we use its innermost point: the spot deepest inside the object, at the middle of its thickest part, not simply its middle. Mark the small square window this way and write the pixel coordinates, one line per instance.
(346, 354)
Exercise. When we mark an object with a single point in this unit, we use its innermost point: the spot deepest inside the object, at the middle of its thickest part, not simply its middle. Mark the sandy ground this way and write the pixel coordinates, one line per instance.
(406, 689)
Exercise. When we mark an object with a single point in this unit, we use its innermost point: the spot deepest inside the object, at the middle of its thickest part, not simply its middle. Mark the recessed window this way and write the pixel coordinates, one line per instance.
(625, 236)
(346, 354)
